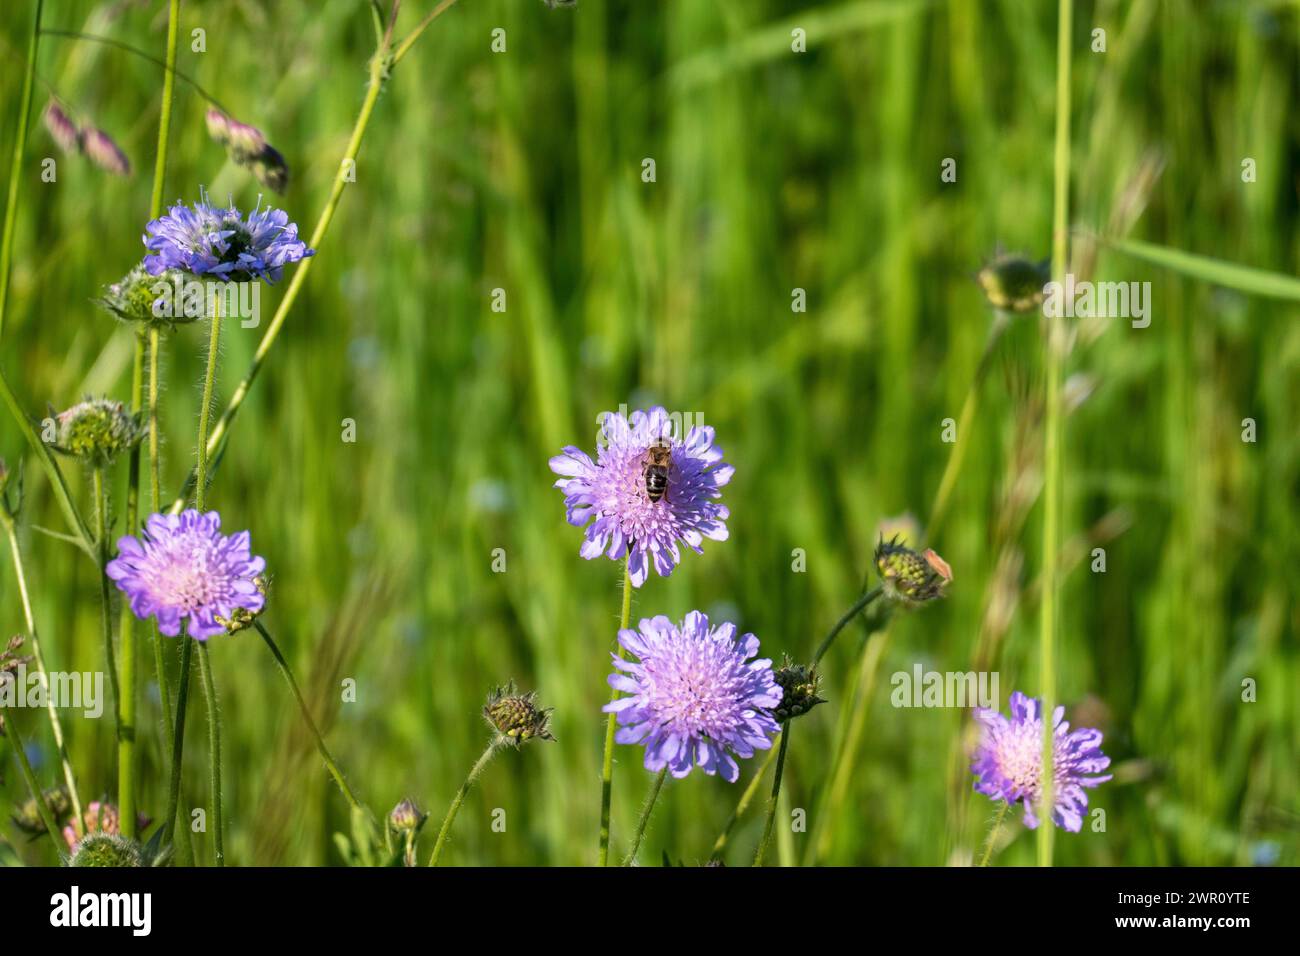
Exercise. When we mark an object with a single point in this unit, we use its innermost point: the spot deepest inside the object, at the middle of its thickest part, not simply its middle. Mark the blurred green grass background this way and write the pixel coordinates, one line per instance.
(522, 171)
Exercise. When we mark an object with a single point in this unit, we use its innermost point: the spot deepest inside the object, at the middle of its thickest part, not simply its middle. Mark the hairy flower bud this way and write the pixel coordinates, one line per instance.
(911, 578)
(135, 296)
(406, 816)
(799, 685)
(98, 430)
(107, 849)
(516, 717)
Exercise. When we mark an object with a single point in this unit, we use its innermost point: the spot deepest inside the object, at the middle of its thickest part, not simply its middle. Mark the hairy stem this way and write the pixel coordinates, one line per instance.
(993, 833)
(497, 743)
(205, 409)
(611, 725)
(646, 809)
(105, 596)
(214, 751)
(859, 606)
(126, 752)
(178, 743)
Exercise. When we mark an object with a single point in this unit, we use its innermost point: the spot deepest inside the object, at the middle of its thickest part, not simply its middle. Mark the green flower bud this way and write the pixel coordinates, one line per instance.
(98, 430)
(516, 717)
(107, 849)
(911, 578)
(799, 685)
(1014, 283)
(133, 299)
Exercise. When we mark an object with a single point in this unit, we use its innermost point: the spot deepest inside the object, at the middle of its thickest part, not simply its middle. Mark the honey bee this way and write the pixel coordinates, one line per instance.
(654, 466)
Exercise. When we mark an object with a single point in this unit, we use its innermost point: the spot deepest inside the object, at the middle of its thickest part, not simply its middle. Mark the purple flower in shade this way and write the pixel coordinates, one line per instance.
(611, 492)
(209, 240)
(184, 568)
(695, 697)
(1009, 758)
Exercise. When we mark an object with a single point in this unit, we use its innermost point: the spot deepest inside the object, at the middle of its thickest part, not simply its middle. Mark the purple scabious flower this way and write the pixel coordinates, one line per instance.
(1009, 757)
(613, 494)
(182, 568)
(695, 697)
(208, 240)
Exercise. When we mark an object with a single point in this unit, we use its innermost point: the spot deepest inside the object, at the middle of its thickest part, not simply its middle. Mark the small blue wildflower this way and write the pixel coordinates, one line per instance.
(209, 240)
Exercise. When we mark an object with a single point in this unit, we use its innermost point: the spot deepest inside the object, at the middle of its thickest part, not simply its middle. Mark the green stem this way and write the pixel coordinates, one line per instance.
(380, 65)
(16, 164)
(205, 409)
(214, 751)
(746, 799)
(330, 763)
(126, 752)
(993, 834)
(155, 489)
(1052, 425)
(29, 776)
(496, 744)
(56, 725)
(646, 809)
(776, 793)
(105, 597)
(178, 740)
(848, 615)
(611, 726)
(155, 207)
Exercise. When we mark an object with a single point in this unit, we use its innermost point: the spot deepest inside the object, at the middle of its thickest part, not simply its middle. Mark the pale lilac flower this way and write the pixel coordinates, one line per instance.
(209, 240)
(1009, 758)
(695, 697)
(611, 493)
(183, 569)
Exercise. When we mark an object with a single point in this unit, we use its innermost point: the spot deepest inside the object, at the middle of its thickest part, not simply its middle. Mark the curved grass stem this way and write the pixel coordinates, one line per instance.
(330, 763)
(746, 799)
(33, 785)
